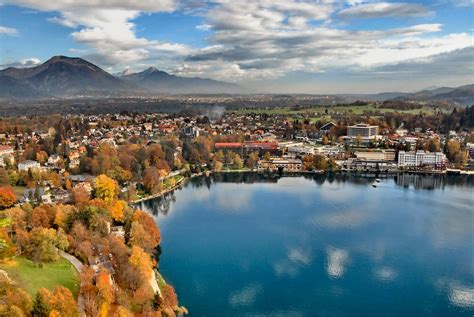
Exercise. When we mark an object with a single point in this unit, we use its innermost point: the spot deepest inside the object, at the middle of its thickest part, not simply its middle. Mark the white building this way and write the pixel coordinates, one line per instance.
(383, 155)
(363, 130)
(301, 150)
(27, 165)
(421, 158)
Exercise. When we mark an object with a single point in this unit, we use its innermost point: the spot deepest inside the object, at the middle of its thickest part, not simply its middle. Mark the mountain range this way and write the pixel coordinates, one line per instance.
(64, 77)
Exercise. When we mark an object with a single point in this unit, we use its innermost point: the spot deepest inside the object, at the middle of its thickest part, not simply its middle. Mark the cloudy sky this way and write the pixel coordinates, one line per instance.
(304, 46)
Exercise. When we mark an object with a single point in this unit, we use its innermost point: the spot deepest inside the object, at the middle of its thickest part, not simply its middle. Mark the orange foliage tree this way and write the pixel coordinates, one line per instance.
(7, 197)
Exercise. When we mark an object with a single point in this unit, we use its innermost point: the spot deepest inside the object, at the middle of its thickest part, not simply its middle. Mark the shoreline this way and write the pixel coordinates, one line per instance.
(301, 173)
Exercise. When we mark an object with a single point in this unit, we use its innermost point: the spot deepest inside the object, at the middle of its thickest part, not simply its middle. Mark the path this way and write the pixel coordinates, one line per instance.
(78, 266)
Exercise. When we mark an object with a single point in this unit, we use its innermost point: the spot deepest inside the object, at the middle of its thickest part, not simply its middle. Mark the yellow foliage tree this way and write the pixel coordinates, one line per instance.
(117, 209)
(105, 188)
(142, 261)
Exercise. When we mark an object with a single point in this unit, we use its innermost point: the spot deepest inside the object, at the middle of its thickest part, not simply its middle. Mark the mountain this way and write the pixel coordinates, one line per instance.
(11, 87)
(463, 95)
(62, 76)
(158, 81)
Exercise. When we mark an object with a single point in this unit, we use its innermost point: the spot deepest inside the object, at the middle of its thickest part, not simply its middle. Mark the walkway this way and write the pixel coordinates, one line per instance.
(78, 266)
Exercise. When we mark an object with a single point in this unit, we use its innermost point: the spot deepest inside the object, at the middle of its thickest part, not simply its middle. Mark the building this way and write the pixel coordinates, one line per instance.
(286, 165)
(262, 148)
(363, 130)
(6, 150)
(421, 158)
(225, 147)
(383, 155)
(300, 150)
(25, 166)
(191, 131)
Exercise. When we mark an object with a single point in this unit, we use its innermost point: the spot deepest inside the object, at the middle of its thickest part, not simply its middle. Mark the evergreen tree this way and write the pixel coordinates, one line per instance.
(40, 306)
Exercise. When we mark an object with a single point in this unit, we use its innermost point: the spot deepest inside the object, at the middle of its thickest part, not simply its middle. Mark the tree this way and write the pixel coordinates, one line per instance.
(60, 302)
(141, 261)
(117, 209)
(18, 297)
(325, 140)
(39, 217)
(434, 145)
(41, 307)
(169, 297)
(152, 180)
(149, 225)
(140, 237)
(45, 243)
(7, 197)
(238, 164)
(105, 188)
(104, 287)
(80, 195)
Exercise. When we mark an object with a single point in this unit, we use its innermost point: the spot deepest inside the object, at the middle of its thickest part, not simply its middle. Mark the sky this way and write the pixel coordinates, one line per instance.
(277, 46)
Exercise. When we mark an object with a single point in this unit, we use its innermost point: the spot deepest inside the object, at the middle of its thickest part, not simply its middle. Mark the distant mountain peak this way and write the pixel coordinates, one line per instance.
(151, 69)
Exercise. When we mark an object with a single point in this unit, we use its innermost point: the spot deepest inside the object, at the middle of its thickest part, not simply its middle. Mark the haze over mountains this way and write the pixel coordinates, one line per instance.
(68, 77)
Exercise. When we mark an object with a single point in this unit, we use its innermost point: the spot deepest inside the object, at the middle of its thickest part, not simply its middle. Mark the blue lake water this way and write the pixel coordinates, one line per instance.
(245, 245)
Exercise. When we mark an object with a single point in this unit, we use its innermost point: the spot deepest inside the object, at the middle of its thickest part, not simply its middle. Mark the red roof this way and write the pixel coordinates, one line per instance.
(228, 144)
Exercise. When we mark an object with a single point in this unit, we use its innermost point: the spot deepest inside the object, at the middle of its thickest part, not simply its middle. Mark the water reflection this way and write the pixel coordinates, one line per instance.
(249, 245)
(161, 205)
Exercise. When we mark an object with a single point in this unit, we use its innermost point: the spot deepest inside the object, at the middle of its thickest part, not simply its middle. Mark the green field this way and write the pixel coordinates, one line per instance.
(33, 277)
(319, 112)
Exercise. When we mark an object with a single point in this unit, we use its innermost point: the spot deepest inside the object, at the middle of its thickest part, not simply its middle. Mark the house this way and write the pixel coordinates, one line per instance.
(27, 165)
(118, 231)
(287, 165)
(54, 159)
(325, 128)
(61, 196)
(6, 150)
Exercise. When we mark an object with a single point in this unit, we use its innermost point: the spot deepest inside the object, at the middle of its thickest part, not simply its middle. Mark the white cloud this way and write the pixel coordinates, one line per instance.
(8, 31)
(245, 296)
(337, 260)
(253, 40)
(384, 9)
(27, 62)
(61, 5)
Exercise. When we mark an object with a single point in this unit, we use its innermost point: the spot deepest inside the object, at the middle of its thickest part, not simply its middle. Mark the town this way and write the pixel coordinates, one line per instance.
(47, 159)
(69, 184)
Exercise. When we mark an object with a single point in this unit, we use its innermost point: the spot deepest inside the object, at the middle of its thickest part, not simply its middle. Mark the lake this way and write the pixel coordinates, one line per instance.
(327, 245)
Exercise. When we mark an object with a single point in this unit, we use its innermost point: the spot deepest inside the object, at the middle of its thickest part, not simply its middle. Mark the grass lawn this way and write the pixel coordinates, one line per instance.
(310, 112)
(33, 277)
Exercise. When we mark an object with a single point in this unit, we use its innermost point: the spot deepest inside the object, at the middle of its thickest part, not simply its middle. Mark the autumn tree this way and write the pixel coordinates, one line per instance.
(105, 188)
(80, 195)
(105, 289)
(7, 197)
(149, 226)
(45, 243)
(152, 180)
(237, 162)
(60, 302)
(117, 209)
